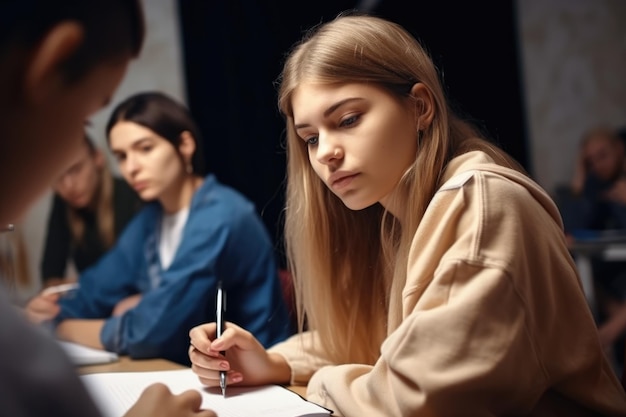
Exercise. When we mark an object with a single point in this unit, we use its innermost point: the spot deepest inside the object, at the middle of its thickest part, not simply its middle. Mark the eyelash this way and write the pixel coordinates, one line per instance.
(348, 122)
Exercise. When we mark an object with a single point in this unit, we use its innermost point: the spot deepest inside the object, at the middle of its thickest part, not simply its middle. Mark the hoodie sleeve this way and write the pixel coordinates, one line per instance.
(460, 355)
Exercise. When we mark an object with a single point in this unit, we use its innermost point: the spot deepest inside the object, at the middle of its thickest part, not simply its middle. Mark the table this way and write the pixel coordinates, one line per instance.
(126, 364)
(605, 249)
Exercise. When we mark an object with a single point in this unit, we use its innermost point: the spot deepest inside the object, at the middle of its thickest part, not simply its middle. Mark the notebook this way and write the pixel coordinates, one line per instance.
(116, 392)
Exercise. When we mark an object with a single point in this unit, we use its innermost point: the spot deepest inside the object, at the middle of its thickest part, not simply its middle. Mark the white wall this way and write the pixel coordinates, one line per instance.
(159, 67)
(574, 64)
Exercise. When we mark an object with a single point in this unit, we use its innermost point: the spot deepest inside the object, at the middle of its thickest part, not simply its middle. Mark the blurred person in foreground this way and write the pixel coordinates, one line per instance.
(60, 61)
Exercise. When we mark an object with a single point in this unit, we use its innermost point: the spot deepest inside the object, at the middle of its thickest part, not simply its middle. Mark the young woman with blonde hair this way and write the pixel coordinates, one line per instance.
(432, 272)
(90, 209)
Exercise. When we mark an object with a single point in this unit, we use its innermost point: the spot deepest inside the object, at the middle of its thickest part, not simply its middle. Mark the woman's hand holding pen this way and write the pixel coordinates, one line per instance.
(42, 307)
(247, 362)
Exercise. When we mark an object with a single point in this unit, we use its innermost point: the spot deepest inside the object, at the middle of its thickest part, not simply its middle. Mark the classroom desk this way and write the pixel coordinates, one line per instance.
(584, 251)
(125, 364)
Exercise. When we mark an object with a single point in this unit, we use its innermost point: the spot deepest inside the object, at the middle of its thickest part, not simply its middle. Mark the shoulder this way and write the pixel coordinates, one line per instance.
(214, 196)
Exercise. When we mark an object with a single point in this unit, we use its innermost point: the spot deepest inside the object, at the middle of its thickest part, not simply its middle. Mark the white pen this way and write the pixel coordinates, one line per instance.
(220, 309)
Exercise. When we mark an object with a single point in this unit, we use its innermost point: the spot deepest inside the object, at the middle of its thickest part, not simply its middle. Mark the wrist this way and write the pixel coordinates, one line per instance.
(281, 371)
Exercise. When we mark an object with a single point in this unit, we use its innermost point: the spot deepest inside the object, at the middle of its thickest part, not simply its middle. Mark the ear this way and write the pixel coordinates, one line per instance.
(43, 73)
(187, 146)
(424, 105)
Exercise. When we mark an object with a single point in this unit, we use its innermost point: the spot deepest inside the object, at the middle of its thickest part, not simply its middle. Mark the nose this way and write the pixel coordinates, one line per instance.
(328, 150)
(130, 166)
(67, 182)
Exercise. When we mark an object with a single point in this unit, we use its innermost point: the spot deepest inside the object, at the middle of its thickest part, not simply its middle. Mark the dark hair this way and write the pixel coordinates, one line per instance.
(111, 28)
(163, 115)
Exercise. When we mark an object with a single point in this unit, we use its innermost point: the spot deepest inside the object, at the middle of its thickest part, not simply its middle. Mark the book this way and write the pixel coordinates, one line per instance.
(116, 392)
(83, 355)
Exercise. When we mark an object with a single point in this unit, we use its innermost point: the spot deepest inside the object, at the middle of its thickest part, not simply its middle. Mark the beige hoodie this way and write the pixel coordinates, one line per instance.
(494, 319)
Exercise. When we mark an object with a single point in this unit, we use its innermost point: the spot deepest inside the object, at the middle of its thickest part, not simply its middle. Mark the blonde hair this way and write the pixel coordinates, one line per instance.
(349, 267)
(103, 207)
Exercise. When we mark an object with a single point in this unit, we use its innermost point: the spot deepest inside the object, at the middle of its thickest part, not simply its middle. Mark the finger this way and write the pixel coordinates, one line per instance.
(202, 336)
(156, 390)
(233, 336)
(207, 367)
(212, 380)
(190, 399)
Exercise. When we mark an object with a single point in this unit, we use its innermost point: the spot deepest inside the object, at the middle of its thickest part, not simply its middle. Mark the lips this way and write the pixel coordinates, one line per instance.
(341, 180)
(139, 186)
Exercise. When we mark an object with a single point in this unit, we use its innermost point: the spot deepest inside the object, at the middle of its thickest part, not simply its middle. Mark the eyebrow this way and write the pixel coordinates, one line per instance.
(331, 109)
(135, 144)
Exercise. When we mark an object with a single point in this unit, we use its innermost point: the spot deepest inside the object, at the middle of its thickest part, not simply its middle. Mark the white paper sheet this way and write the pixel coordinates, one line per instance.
(115, 393)
(84, 355)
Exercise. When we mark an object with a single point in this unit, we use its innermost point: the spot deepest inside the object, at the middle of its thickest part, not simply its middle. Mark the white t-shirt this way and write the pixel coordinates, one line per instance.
(171, 234)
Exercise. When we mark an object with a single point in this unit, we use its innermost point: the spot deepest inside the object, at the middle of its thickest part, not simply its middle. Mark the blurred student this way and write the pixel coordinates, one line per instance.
(447, 286)
(160, 278)
(90, 208)
(599, 182)
(596, 202)
(60, 61)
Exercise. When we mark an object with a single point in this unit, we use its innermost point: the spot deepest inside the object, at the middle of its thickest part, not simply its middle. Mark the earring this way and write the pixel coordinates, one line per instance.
(335, 153)
(420, 135)
(189, 167)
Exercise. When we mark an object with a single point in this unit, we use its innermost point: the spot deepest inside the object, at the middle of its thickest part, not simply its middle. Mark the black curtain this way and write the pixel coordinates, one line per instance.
(234, 51)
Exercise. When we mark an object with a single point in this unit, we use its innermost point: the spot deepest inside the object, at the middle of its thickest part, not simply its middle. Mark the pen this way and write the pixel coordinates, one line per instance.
(220, 310)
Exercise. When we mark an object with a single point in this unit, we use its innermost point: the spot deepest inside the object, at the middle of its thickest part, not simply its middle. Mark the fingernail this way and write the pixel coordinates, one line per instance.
(237, 378)
(224, 365)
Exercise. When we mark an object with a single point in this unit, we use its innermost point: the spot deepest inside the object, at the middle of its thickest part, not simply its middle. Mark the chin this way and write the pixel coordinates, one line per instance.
(146, 195)
(357, 204)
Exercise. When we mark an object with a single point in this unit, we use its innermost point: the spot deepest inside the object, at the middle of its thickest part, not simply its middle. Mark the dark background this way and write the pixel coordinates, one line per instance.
(234, 50)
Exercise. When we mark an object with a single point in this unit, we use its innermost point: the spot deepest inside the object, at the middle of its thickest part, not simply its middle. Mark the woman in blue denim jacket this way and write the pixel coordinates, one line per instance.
(159, 280)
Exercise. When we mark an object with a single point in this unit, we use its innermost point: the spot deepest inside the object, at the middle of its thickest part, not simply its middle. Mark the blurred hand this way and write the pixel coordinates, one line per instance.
(246, 361)
(42, 307)
(158, 401)
(126, 304)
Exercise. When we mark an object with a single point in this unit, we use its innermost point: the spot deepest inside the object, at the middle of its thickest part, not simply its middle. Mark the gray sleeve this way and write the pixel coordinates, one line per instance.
(36, 378)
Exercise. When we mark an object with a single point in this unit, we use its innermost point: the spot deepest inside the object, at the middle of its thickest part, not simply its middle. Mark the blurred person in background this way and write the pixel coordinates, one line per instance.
(90, 208)
(161, 276)
(593, 205)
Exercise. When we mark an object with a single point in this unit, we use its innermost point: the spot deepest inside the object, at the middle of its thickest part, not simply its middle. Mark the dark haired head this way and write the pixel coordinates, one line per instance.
(111, 28)
(163, 115)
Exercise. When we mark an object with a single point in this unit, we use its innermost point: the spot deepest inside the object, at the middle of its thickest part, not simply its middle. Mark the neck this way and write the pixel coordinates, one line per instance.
(181, 194)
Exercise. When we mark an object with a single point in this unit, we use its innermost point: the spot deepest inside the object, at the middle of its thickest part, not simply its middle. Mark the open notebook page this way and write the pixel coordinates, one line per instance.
(116, 392)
